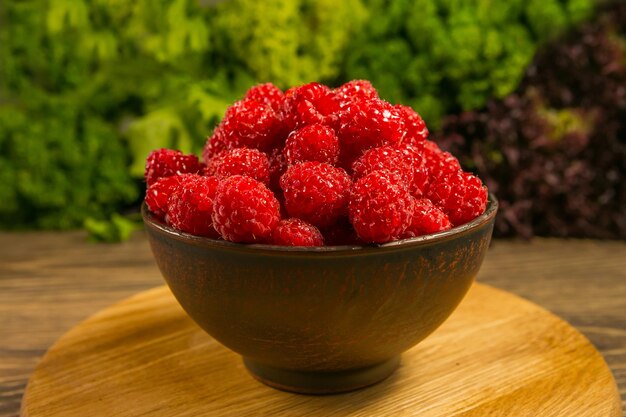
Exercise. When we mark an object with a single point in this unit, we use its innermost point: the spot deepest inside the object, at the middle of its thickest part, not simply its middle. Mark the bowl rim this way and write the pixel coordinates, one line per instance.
(479, 222)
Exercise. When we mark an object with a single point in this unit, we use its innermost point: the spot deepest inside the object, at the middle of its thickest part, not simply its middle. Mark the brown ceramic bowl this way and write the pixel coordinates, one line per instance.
(324, 319)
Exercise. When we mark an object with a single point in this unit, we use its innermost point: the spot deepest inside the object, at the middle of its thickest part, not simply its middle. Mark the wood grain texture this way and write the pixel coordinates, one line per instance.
(497, 355)
(51, 281)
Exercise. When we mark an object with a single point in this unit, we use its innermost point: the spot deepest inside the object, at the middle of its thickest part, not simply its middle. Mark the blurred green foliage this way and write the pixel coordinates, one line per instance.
(116, 229)
(444, 56)
(89, 87)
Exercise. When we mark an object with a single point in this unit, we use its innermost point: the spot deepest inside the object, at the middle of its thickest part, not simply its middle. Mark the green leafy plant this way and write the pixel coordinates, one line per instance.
(448, 55)
(89, 87)
(289, 42)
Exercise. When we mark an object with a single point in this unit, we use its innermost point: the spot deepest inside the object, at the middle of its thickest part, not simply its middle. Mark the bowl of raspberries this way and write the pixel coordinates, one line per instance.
(320, 235)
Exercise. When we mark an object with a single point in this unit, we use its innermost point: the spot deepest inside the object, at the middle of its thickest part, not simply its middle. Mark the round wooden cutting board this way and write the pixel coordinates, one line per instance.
(497, 355)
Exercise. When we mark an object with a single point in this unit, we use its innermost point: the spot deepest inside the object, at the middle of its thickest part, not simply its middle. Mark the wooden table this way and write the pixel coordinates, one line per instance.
(51, 281)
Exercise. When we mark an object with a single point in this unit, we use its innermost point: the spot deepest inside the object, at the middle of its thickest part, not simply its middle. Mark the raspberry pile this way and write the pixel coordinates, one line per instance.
(314, 166)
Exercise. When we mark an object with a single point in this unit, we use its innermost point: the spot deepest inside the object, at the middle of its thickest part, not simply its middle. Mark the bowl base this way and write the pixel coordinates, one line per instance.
(307, 382)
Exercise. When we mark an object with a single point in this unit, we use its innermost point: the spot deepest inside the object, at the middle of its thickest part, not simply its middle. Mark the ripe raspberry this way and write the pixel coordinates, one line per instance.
(384, 157)
(331, 104)
(355, 90)
(168, 162)
(419, 184)
(312, 143)
(460, 195)
(268, 94)
(245, 210)
(191, 205)
(316, 192)
(278, 166)
(381, 207)
(426, 219)
(438, 162)
(404, 159)
(301, 106)
(241, 161)
(251, 124)
(369, 124)
(215, 144)
(295, 232)
(413, 123)
(158, 194)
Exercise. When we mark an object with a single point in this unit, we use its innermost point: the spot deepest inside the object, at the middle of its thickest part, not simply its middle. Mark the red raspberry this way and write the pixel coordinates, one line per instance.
(191, 205)
(380, 207)
(316, 192)
(438, 162)
(331, 104)
(312, 143)
(245, 210)
(168, 162)
(419, 184)
(278, 166)
(413, 123)
(301, 106)
(158, 194)
(426, 219)
(251, 124)
(460, 195)
(241, 161)
(403, 159)
(355, 90)
(369, 124)
(268, 94)
(215, 144)
(384, 157)
(295, 232)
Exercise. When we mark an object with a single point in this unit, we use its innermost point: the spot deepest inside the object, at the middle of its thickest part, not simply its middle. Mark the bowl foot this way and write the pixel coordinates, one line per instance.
(307, 382)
